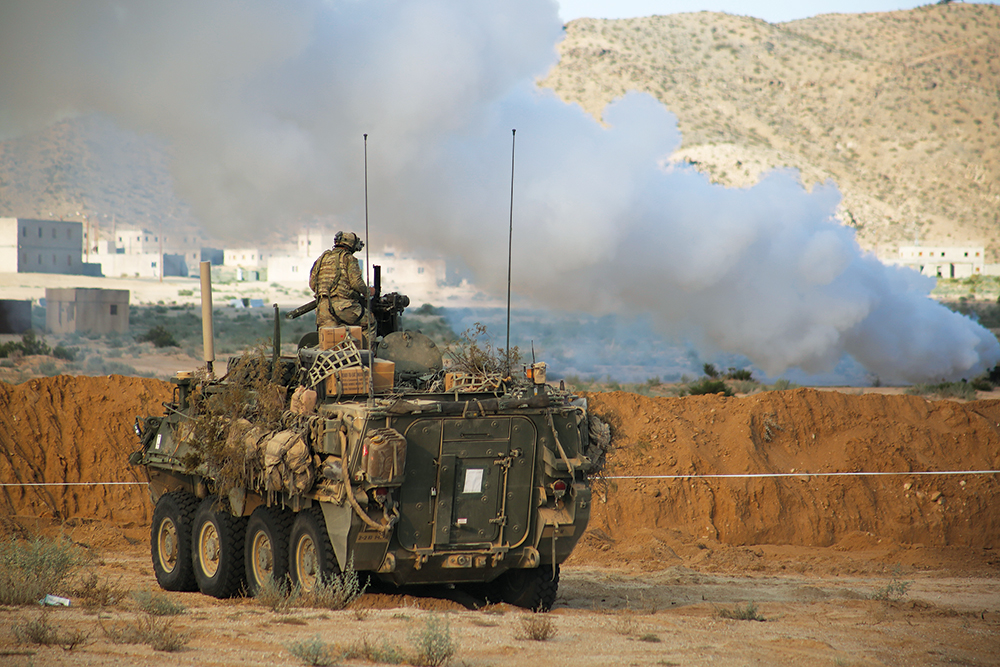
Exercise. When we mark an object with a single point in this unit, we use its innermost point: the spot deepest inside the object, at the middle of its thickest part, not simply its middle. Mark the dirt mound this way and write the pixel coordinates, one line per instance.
(79, 429)
(802, 431)
(75, 430)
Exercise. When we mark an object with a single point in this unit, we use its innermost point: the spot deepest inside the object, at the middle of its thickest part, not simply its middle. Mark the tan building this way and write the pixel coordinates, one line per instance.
(86, 310)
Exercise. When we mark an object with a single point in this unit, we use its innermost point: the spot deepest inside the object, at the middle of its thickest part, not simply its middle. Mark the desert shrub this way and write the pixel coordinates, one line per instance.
(277, 596)
(381, 652)
(38, 631)
(962, 390)
(782, 384)
(651, 638)
(744, 386)
(30, 344)
(157, 604)
(710, 370)
(48, 368)
(335, 592)
(433, 644)
(709, 386)
(41, 632)
(65, 353)
(625, 623)
(982, 383)
(156, 632)
(893, 591)
(746, 613)
(29, 570)
(314, 651)
(536, 627)
(742, 374)
(159, 336)
(95, 592)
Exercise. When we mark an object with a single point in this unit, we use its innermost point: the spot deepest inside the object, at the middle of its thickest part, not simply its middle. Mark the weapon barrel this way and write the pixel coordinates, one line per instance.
(303, 309)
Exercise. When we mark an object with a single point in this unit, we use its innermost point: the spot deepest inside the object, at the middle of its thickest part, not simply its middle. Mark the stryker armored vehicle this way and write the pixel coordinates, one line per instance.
(299, 467)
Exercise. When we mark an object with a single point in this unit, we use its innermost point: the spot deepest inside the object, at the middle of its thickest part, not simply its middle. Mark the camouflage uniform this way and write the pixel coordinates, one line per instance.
(336, 281)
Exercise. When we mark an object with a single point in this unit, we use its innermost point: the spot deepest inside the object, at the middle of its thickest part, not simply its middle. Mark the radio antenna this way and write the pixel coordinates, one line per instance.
(510, 240)
(368, 289)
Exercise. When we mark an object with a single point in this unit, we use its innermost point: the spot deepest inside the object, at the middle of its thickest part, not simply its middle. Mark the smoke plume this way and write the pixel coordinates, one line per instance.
(264, 104)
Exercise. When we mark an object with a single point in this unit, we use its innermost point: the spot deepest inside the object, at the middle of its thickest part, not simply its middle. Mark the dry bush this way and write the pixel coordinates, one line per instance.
(41, 632)
(625, 623)
(95, 592)
(380, 652)
(156, 632)
(158, 604)
(337, 591)
(738, 613)
(475, 353)
(278, 596)
(314, 651)
(30, 570)
(433, 644)
(535, 627)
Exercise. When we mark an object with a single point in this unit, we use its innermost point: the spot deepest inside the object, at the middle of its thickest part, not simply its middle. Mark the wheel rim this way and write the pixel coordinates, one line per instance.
(262, 558)
(166, 545)
(209, 549)
(306, 563)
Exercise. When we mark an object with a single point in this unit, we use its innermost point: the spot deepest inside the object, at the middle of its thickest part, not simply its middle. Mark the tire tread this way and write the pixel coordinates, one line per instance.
(186, 504)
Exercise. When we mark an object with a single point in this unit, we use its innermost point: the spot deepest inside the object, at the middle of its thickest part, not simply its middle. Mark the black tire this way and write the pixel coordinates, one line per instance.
(533, 589)
(170, 541)
(265, 552)
(310, 553)
(217, 549)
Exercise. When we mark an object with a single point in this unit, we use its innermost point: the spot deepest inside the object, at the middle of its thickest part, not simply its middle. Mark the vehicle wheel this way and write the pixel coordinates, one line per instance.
(310, 553)
(170, 541)
(533, 589)
(217, 549)
(265, 552)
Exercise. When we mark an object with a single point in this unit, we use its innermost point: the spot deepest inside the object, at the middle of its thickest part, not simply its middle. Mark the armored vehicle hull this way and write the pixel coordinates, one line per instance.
(415, 486)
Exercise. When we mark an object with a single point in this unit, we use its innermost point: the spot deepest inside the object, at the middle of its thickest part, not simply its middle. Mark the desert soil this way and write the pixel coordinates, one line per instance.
(661, 561)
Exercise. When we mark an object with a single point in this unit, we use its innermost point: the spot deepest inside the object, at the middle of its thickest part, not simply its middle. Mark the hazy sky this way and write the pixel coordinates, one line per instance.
(773, 11)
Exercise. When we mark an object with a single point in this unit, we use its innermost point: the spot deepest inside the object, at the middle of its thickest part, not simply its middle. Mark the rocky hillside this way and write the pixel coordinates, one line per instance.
(901, 109)
(88, 166)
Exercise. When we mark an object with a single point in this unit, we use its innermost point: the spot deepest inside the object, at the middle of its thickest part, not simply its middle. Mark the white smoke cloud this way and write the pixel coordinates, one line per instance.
(264, 104)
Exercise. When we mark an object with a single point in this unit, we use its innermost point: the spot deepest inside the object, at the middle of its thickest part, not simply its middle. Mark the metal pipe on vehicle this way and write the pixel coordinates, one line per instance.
(207, 330)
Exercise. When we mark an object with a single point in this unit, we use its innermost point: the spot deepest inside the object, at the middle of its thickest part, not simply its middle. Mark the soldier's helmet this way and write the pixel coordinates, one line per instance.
(348, 240)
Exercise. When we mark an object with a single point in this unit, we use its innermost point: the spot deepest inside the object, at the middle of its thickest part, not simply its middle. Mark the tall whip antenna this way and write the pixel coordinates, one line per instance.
(368, 282)
(510, 241)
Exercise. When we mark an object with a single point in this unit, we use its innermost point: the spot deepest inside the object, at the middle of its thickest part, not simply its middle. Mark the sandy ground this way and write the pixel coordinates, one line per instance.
(603, 616)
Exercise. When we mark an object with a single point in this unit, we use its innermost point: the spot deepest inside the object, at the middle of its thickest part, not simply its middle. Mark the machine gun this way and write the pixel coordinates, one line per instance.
(386, 308)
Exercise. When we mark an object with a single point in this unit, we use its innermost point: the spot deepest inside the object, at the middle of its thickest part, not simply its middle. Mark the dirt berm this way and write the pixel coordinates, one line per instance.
(79, 430)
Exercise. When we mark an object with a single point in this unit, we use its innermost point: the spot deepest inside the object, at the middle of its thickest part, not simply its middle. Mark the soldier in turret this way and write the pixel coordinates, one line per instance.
(341, 293)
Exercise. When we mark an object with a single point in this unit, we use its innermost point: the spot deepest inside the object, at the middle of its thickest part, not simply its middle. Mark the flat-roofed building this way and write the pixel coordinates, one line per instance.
(43, 246)
(86, 310)
(944, 261)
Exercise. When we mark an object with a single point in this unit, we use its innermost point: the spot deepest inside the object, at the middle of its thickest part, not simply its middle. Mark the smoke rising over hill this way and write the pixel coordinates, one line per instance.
(264, 105)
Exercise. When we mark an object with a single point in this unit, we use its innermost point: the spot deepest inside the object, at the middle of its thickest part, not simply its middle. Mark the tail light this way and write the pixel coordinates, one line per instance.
(558, 488)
